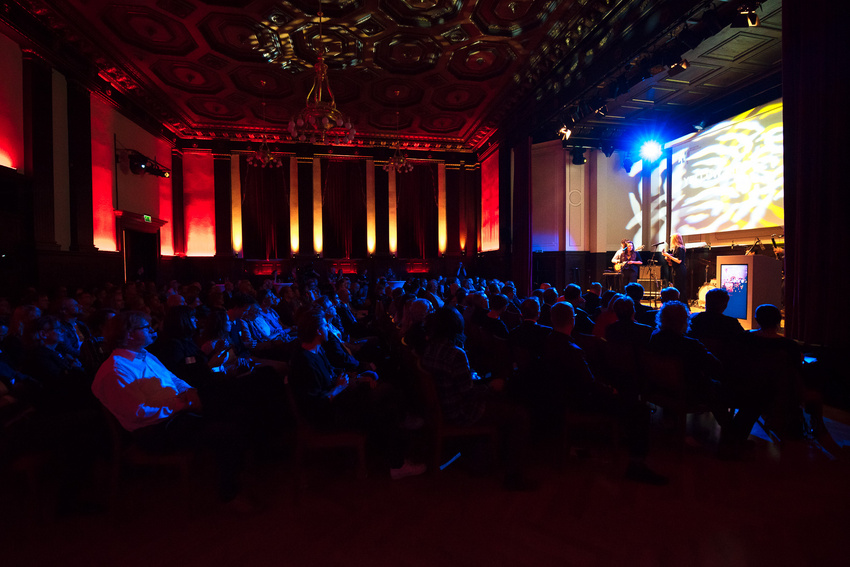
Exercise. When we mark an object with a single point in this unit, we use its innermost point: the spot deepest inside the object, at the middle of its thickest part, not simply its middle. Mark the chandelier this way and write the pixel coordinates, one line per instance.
(320, 121)
(398, 162)
(263, 157)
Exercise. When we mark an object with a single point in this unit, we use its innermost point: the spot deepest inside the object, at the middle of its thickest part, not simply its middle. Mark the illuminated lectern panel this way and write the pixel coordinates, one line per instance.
(751, 281)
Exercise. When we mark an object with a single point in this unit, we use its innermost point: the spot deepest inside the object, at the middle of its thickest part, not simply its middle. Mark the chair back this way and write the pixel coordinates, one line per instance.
(664, 379)
(433, 413)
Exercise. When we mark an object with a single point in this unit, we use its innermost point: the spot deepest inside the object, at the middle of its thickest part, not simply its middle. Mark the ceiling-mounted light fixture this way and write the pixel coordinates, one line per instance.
(746, 16)
(678, 67)
(320, 121)
(578, 156)
(398, 162)
(264, 157)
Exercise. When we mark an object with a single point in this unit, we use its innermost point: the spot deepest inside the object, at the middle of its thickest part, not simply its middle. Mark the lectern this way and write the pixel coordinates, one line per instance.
(751, 281)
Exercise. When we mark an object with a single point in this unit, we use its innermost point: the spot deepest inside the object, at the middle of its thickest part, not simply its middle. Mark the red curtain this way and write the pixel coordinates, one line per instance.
(416, 193)
(344, 208)
(265, 211)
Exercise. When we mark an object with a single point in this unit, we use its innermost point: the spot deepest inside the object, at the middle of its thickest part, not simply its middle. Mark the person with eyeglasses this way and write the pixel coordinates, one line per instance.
(160, 410)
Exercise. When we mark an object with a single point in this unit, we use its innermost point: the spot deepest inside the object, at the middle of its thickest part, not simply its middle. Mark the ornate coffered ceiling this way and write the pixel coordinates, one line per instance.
(455, 71)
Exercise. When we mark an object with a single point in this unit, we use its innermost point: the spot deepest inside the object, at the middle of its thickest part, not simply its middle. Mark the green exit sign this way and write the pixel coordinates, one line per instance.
(147, 218)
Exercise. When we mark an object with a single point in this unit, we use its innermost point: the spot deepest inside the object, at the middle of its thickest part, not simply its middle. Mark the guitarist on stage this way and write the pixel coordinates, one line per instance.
(676, 260)
(626, 261)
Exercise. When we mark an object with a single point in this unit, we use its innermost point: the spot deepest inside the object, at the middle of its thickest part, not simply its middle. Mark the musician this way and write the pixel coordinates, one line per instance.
(626, 261)
(678, 269)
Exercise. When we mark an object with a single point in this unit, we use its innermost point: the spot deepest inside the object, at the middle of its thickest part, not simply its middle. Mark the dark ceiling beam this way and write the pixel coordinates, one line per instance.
(540, 118)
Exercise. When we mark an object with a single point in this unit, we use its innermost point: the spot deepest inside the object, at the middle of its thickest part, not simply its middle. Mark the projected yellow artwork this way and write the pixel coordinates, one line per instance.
(730, 177)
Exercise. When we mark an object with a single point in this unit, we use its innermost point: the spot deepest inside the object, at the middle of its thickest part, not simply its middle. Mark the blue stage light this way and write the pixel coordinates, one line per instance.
(650, 150)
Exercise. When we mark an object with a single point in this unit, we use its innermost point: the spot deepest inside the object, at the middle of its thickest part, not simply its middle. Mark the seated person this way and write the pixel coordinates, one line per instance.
(269, 317)
(64, 384)
(414, 335)
(592, 299)
(464, 401)
(160, 410)
(93, 351)
(256, 331)
(774, 365)
(330, 400)
(514, 301)
(177, 350)
(526, 343)
(718, 331)
(625, 339)
(572, 386)
(74, 331)
(625, 330)
(584, 324)
(550, 296)
(670, 339)
(644, 314)
(338, 352)
(493, 323)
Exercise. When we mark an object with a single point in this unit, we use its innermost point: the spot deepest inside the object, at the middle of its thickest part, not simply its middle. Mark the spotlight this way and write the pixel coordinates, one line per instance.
(677, 68)
(700, 126)
(578, 156)
(746, 16)
(608, 150)
(138, 164)
(565, 132)
(650, 151)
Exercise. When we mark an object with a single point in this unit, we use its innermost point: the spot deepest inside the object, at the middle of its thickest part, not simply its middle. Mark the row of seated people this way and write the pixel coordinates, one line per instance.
(757, 373)
(240, 394)
(50, 361)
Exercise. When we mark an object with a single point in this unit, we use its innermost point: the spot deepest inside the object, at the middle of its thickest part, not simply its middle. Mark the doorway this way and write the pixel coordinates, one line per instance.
(141, 255)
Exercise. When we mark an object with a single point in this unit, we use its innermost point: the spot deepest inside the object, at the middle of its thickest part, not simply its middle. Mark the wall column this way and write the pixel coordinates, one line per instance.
(178, 229)
(223, 223)
(79, 167)
(521, 241)
(38, 146)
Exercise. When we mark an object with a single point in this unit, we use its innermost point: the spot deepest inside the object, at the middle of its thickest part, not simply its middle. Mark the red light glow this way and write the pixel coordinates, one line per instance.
(11, 101)
(199, 204)
(103, 175)
(490, 203)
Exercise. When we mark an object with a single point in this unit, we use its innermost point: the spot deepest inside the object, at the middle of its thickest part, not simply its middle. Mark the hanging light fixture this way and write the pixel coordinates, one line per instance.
(399, 161)
(264, 157)
(320, 121)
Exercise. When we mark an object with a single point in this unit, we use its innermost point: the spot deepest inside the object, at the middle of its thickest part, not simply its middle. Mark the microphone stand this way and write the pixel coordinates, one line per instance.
(652, 283)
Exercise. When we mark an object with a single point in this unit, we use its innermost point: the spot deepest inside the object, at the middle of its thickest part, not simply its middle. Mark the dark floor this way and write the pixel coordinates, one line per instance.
(785, 504)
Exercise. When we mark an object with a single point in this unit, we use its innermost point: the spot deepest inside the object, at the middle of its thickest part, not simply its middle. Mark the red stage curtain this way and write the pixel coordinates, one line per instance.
(344, 208)
(265, 211)
(416, 192)
(815, 125)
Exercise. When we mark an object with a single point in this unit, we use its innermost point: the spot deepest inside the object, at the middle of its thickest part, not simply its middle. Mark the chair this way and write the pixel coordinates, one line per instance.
(664, 378)
(309, 438)
(26, 468)
(585, 421)
(126, 451)
(437, 430)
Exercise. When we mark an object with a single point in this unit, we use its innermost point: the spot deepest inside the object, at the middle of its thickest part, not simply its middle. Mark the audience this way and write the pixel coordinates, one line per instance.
(218, 385)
